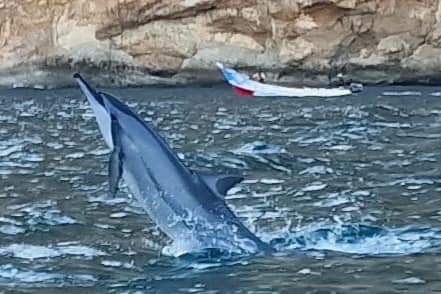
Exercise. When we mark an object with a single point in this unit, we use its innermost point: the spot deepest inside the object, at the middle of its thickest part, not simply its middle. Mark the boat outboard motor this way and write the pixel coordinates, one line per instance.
(356, 87)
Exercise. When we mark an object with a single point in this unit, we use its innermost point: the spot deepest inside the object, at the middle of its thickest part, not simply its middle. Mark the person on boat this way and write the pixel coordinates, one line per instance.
(342, 82)
(258, 76)
(340, 79)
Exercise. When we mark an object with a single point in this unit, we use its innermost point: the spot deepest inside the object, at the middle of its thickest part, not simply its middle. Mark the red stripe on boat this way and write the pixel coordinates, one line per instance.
(242, 92)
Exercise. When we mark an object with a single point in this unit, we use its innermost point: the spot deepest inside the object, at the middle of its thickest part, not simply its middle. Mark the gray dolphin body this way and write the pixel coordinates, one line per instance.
(187, 206)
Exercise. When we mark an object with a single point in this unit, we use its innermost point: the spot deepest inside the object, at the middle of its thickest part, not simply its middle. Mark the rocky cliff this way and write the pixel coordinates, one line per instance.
(134, 42)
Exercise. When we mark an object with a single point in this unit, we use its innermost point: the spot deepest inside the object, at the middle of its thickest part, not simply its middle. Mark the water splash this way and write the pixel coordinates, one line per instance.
(360, 239)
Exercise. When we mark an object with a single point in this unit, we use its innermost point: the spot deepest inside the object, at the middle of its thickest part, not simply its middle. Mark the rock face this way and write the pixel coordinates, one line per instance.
(134, 42)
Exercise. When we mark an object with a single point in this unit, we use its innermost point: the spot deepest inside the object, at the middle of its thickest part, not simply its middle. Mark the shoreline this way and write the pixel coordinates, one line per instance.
(61, 78)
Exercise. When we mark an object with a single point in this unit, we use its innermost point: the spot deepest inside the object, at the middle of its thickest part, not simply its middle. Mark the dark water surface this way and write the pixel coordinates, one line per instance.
(347, 189)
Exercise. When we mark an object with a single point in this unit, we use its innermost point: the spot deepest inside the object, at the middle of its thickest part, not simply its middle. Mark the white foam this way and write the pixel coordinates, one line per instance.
(401, 93)
(409, 281)
(11, 230)
(317, 170)
(259, 147)
(11, 273)
(317, 186)
(26, 251)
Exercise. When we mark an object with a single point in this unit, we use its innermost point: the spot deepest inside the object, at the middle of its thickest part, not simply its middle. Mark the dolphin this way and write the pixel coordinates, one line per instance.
(188, 206)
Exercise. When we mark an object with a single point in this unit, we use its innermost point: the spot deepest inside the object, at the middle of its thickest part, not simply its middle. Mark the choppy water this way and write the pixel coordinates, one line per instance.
(347, 189)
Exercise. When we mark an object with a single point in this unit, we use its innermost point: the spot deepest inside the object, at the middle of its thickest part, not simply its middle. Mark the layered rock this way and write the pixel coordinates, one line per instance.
(134, 42)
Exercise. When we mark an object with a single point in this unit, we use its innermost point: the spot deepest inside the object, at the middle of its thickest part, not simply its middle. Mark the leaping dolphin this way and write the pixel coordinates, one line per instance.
(187, 206)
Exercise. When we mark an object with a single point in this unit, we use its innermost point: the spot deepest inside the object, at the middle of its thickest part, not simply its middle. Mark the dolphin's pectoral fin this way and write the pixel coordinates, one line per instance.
(115, 171)
(220, 183)
(116, 158)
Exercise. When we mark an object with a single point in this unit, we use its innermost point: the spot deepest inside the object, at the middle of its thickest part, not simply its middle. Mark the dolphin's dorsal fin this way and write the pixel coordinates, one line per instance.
(220, 183)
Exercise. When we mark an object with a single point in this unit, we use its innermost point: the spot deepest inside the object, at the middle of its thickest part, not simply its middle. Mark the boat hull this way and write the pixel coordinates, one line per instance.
(244, 86)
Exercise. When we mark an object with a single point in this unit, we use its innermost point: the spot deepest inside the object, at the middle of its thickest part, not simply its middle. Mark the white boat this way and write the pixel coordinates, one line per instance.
(244, 86)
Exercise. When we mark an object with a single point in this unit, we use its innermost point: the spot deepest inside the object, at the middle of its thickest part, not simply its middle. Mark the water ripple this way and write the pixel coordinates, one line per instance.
(333, 179)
